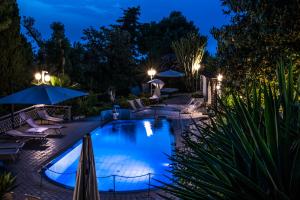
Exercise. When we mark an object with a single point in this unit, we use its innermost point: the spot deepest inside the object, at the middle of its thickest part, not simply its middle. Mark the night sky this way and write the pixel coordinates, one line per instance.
(80, 14)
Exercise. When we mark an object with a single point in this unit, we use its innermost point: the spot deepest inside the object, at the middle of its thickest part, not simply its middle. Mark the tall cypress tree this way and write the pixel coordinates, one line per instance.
(15, 52)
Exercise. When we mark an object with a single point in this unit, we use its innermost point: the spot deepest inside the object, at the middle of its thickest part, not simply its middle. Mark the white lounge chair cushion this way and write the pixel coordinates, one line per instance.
(37, 130)
(44, 115)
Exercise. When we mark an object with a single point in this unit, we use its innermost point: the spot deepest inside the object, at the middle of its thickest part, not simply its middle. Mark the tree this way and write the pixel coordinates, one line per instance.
(16, 54)
(57, 50)
(130, 22)
(157, 37)
(189, 52)
(261, 32)
(109, 59)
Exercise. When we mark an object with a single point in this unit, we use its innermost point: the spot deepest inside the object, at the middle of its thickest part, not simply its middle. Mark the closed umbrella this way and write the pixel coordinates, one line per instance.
(86, 181)
(204, 86)
(170, 74)
(209, 97)
(42, 94)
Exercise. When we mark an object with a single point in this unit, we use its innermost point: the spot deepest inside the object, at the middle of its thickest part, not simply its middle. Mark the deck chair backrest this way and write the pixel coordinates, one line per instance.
(139, 103)
(43, 113)
(131, 103)
(32, 123)
(191, 101)
(23, 116)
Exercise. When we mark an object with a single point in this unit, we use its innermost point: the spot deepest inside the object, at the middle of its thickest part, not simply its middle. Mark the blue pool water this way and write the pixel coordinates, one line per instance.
(128, 149)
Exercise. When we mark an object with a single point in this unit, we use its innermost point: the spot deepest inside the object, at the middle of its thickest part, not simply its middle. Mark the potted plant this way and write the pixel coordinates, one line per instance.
(7, 184)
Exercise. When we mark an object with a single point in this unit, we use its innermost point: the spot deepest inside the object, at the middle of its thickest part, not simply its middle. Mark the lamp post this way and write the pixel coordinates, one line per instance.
(196, 68)
(43, 77)
(151, 72)
(218, 87)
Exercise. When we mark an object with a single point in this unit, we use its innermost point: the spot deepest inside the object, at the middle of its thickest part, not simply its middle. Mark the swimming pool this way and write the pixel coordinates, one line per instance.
(127, 153)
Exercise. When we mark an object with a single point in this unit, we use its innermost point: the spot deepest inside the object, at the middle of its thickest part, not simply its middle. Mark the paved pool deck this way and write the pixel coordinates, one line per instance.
(37, 154)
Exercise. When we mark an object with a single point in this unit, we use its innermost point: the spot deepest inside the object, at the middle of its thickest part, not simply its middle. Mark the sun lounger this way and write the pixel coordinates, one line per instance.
(32, 123)
(140, 104)
(45, 116)
(30, 197)
(12, 145)
(19, 134)
(36, 126)
(9, 154)
(37, 130)
(182, 106)
(193, 107)
(132, 105)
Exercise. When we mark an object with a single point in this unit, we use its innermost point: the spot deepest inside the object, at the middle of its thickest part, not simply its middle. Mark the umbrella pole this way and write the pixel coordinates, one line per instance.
(83, 166)
(12, 116)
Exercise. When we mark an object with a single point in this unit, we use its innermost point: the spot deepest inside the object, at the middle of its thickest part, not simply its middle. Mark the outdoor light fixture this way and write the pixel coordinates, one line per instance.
(47, 78)
(220, 77)
(151, 72)
(43, 77)
(196, 67)
(38, 76)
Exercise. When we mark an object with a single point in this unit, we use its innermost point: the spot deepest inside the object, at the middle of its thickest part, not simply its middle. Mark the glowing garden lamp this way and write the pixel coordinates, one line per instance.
(151, 72)
(218, 87)
(43, 77)
(195, 69)
(220, 77)
(38, 76)
(47, 78)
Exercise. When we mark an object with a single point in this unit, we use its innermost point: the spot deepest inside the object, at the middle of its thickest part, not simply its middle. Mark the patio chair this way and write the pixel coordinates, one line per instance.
(31, 197)
(192, 107)
(19, 134)
(9, 154)
(132, 105)
(141, 105)
(31, 122)
(45, 116)
(34, 125)
(182, 107)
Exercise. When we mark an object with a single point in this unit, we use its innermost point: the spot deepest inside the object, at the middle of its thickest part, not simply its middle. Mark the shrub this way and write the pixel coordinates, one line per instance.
(248, 151)
(7, 183)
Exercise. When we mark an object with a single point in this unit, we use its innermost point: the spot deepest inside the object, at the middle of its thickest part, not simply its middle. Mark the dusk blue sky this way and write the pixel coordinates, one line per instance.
(80, 14)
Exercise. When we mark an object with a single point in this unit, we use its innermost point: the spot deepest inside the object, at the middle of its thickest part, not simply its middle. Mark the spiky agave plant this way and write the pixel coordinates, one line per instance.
(249, 151)
(7, 183)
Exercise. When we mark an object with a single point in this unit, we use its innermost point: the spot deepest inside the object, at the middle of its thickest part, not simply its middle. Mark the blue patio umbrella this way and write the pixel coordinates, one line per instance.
(170, 74)
(42, 94)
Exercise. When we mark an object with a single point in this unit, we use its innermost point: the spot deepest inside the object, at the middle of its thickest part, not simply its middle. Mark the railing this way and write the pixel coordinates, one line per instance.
(14, 120)
(111, 186)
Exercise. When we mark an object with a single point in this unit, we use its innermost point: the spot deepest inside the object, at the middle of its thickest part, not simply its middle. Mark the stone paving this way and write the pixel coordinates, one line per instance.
(37, 154)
